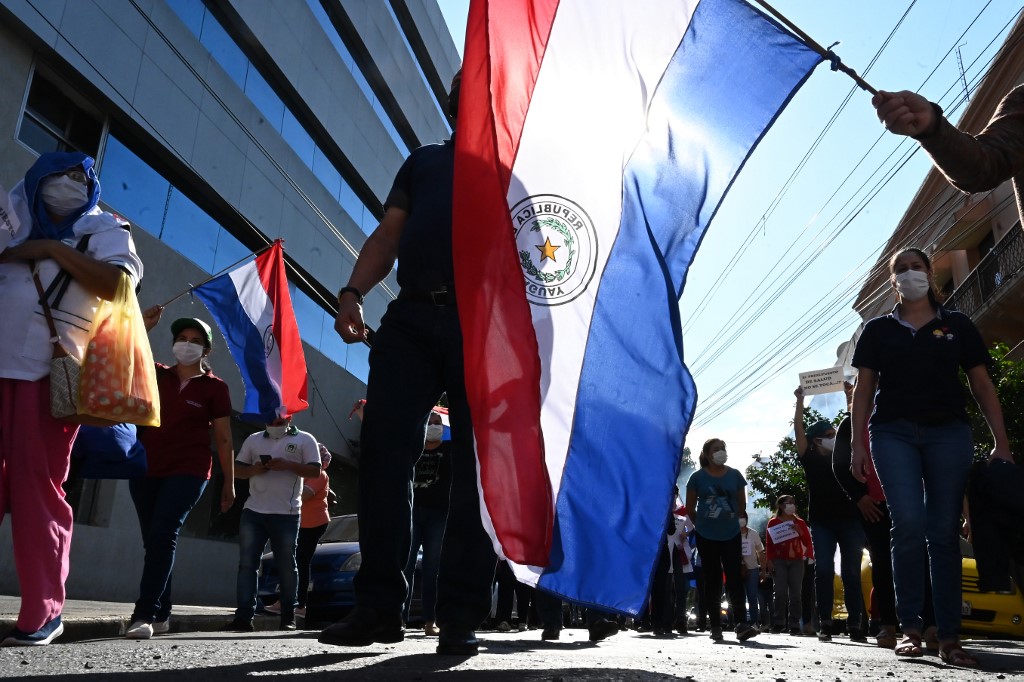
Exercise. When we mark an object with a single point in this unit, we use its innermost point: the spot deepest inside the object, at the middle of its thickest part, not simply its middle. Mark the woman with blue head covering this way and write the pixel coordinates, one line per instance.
(78, 251)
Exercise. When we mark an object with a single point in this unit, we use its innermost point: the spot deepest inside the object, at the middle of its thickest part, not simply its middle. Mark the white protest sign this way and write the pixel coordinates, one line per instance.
(822, 381)
(747, 548)
(783, 531)
(9, 222)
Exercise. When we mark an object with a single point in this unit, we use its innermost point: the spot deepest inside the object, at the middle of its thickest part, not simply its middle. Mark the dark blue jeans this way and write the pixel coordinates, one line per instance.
(254, 529)
(848, 535)
(417, 356)
(162, 505)
(428, 532)
(923, 470)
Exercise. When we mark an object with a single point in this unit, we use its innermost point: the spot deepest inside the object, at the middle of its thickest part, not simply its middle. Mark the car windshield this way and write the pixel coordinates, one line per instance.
(342, 529)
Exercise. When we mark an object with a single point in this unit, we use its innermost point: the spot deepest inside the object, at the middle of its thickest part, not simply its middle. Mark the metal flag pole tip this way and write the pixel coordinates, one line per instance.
(833, 59)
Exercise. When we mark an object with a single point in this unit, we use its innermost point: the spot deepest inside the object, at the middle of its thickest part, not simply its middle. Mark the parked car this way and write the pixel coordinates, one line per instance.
(335, 563)
(983, 613)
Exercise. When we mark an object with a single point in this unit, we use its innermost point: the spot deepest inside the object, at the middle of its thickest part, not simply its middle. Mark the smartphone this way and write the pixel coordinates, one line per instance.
(265, 459)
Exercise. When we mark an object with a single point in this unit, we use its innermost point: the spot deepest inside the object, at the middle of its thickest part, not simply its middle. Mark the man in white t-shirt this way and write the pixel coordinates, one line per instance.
(275, 461)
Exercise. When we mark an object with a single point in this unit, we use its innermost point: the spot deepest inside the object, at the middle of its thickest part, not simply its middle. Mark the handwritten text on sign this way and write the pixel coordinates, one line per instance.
(822, 380)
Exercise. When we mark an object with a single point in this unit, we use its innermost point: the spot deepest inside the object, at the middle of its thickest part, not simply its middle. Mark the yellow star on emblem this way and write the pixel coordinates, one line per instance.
(547, 250)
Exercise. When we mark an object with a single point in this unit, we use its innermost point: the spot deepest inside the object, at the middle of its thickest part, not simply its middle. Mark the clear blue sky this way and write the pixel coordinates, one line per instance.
(932, 27)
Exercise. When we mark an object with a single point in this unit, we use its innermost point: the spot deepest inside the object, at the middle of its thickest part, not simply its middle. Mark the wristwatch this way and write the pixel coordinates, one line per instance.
(351, 290)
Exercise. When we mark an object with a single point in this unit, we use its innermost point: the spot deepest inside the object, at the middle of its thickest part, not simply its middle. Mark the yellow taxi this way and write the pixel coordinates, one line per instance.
(984, 613)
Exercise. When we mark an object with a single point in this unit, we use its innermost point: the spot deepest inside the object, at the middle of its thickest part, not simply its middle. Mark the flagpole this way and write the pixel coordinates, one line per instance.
(215, 276)
(837, 64)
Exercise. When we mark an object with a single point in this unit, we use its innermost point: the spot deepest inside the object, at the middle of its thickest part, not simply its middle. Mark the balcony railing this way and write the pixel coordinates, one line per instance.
(996, 269)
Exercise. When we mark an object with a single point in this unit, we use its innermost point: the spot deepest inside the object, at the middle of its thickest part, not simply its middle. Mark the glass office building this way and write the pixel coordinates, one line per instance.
(217, 126)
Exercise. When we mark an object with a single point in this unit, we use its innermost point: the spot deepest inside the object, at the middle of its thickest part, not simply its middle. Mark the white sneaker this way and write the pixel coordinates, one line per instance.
(139, 629)
(162, 627)
(273, 608)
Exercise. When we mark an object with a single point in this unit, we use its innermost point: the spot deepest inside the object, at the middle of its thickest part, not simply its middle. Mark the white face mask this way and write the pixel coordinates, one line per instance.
(63, 196)
(828, 443)
(719, 457)
(789, 509)
(277, 432)
(435, 432)
(912, 285)
(187, 353)
(743, 523)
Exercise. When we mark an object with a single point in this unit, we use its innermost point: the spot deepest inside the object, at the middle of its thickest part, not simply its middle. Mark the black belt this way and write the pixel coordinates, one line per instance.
(442, 296)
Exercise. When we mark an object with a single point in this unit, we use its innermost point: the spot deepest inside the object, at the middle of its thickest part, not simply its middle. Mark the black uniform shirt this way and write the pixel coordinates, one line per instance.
(423, 187)
(917, 371)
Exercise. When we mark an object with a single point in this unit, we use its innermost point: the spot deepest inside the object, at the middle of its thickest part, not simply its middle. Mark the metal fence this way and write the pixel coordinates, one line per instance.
(996, 270)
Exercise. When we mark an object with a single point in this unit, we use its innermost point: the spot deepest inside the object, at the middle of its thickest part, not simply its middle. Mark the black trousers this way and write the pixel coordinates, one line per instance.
(509, 587)
(305, 546)
(717, 557)
(878, 538)
(417, 356)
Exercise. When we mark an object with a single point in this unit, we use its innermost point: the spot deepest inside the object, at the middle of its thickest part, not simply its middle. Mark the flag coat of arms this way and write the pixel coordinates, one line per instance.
(595, 143)
(253, 309)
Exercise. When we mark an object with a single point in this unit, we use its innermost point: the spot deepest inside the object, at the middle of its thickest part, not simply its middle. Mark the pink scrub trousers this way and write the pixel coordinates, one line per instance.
(35, 453)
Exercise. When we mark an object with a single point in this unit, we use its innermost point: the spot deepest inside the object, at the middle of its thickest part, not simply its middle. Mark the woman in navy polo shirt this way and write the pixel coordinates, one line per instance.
(919, 434)
(192, 403)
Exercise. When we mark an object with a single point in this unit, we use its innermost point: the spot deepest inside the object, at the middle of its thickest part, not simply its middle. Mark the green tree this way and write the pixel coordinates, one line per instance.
(1008, 377)
(780, 473)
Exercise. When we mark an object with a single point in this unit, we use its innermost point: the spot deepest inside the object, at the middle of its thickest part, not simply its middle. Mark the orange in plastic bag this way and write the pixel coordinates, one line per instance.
(118, 375)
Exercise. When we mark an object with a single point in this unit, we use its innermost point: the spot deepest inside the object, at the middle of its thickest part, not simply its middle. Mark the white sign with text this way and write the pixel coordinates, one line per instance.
(822, 380)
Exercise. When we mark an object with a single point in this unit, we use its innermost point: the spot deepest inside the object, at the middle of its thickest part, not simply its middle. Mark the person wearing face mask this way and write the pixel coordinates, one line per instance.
(416, 356)
(78, 252)
(921, 443)
(718, 493)
(275, 460)
(834, 522)
(431, 487)
(788, 546)
(193, 403)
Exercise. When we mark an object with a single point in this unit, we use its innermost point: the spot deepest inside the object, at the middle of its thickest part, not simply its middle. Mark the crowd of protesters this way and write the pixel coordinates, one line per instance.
(891, 476)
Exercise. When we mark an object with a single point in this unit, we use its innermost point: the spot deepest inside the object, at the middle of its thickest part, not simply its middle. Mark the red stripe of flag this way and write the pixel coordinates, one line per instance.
(293, 380)
(505, 43)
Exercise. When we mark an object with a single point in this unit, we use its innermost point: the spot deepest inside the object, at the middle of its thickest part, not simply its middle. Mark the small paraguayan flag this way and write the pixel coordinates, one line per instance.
(253, 309)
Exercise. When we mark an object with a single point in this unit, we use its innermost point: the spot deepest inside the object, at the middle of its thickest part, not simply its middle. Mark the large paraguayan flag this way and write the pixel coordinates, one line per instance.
(595, 143)
(253, 309)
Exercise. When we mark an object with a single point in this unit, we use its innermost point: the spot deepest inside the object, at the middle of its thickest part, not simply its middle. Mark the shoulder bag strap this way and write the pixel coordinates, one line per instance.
(58, 350)
(63, 278)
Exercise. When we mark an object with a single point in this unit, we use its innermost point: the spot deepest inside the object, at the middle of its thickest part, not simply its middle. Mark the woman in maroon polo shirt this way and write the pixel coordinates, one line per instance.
(192, 402)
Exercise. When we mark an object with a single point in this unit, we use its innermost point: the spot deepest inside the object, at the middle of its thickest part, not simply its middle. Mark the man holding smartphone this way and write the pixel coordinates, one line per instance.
(275, 461)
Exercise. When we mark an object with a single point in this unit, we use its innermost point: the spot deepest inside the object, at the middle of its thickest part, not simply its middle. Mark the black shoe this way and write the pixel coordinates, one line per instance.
(858, 636)
(551, 634)
(362, 627)
(745, 632)
(602, 629)
(702, 625)
(776, 630)
(457, 642)
(824, 636)
(796, 632)
(716, 634)
(239, 625)
(287, 623)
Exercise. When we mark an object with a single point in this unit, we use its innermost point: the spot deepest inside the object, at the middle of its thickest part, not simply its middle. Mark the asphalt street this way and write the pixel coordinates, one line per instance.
(515, 656)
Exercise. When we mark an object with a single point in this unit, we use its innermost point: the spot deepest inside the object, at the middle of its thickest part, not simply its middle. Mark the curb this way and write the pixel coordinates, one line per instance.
(82, 628)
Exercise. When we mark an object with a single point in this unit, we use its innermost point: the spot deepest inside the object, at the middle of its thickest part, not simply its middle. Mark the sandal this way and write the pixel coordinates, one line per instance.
(953, 654)
(931, 638)
(910, 646)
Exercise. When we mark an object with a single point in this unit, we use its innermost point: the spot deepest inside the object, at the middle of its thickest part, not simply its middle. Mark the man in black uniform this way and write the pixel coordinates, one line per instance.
(416, 356)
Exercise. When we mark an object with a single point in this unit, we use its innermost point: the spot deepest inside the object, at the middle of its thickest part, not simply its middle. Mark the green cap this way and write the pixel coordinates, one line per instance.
(819, 429)
(193, 323)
